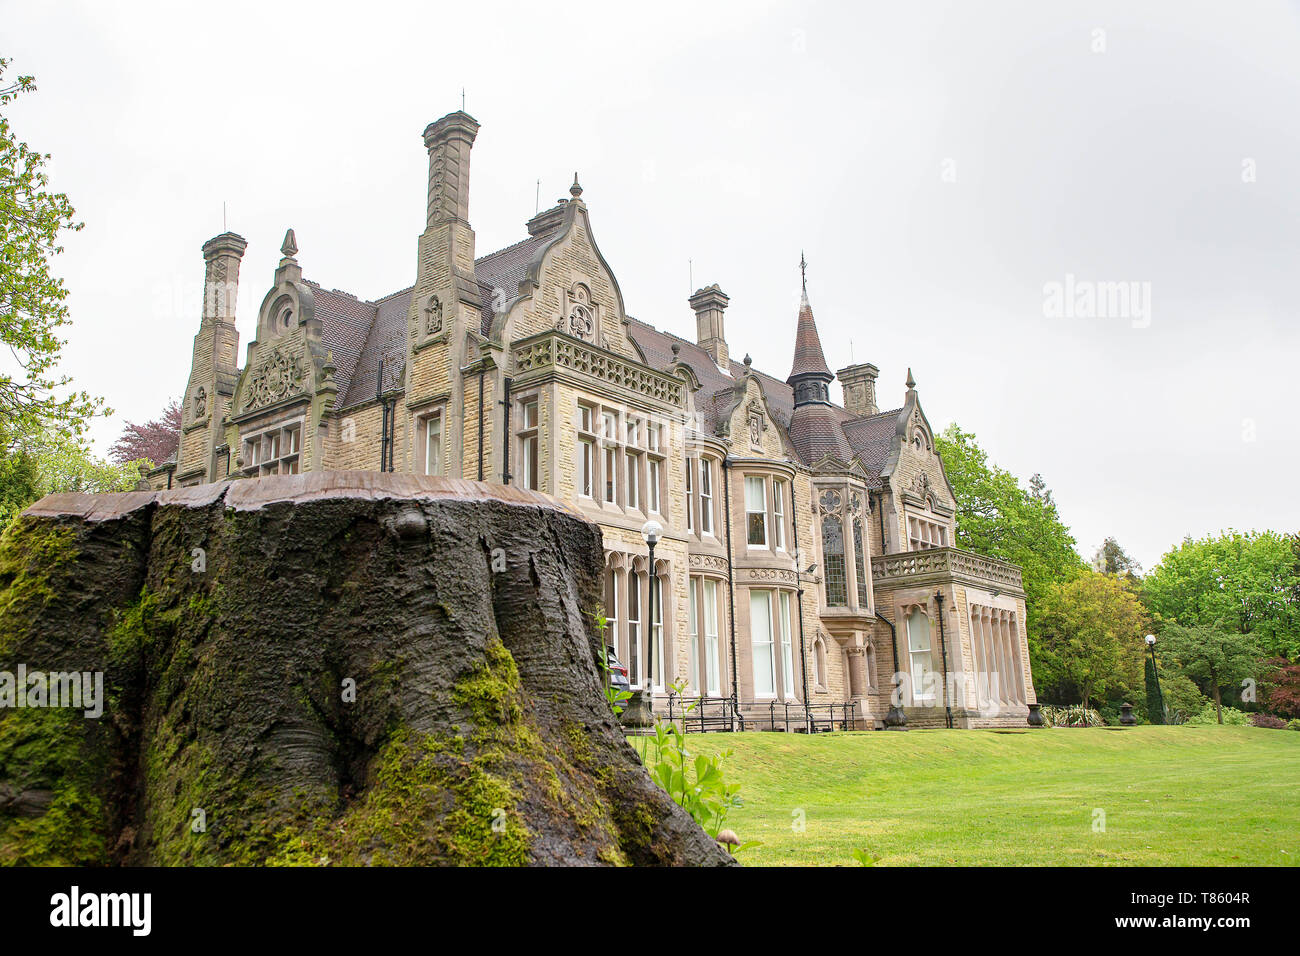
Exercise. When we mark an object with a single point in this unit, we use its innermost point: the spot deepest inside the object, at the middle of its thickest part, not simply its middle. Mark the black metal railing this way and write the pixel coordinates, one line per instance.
(723, 715)
(700, 715)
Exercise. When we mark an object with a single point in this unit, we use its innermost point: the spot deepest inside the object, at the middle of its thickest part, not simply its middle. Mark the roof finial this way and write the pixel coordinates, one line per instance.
(911, 382)
(803, 273)
(290, 246)
(575, 190)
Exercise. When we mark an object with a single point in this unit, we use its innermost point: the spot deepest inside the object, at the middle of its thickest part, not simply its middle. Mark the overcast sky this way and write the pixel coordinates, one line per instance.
(942, 165)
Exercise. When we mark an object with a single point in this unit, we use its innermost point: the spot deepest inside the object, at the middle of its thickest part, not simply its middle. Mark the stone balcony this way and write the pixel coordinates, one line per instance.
(554, 355)
(937, 565)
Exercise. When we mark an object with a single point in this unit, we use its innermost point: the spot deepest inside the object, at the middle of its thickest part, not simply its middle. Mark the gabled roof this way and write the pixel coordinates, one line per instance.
(505, 269)
(360, 333)
(345, 324)
(820, 431)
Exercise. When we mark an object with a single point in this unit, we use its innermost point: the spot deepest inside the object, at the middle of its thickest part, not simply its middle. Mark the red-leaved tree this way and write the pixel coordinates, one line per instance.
(1282, 687)
(156, 440)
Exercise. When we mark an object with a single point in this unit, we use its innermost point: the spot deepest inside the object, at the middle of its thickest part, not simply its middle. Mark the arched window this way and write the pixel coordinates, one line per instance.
(837, 594)
(860, 561)
(819, 663)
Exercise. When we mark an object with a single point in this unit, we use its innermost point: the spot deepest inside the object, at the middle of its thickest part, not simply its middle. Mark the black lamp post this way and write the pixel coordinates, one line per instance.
(943, 651)
(651, 531)
(1160, 696)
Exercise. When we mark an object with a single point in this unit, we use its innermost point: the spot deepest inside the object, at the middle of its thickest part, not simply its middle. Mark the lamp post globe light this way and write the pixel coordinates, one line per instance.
(1155, 671)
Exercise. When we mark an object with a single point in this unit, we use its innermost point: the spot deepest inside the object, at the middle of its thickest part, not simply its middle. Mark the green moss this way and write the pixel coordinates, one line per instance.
(428, 805)
(32, 555)
(45, 749)
(491, 693)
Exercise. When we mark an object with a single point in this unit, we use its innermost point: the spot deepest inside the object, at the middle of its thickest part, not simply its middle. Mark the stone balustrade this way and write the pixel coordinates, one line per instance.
(941, 563)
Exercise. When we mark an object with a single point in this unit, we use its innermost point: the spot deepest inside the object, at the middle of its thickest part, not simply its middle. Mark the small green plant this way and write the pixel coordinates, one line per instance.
(694, 781)
(864, 858)
(617, 698)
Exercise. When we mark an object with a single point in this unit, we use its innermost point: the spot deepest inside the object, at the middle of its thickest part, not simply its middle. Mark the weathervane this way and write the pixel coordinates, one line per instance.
(803, 272)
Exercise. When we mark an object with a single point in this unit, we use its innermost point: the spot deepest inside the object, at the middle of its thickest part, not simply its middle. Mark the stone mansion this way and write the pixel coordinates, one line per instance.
(807, 552)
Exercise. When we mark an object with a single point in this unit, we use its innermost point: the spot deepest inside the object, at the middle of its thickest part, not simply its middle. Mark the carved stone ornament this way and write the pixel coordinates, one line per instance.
(200, 402)
(757, 424)
(279, 377)
(855, 503)
(437, 183)
(433, 316)
(921, 485)
(581, 320)
(831, 501)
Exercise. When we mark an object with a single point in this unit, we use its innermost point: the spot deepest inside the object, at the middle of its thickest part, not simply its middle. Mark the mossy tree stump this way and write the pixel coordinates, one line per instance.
(338, 667)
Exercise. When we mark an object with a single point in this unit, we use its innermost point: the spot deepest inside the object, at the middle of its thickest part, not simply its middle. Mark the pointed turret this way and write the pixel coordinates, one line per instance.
(814, 427)
(810, 376)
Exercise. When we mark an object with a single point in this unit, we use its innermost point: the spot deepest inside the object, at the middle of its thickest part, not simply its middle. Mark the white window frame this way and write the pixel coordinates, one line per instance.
(634, 629)
(529, 443)
(752, 481)
(762, 641)
(265, 453)
(920, 655)
(778, 513)
(712, 637)
(706, 496)
(787, 647)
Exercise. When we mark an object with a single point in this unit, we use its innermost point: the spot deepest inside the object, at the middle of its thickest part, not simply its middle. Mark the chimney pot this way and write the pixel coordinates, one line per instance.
(859, 383)
(710, 304)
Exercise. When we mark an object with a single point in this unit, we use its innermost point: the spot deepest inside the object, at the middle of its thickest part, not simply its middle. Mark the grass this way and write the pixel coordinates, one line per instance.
(1178, 796)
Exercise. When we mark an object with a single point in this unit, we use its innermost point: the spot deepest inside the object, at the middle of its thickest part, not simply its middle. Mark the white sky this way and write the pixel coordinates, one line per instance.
(735, 136)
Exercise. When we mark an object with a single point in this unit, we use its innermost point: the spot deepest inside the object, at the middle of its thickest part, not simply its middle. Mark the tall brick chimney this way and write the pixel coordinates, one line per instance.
(859, 383)
(709, 304)
(449, 141)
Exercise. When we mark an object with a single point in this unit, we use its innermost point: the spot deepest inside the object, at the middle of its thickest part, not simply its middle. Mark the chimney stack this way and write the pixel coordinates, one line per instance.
(859, 383)
(449, 141)
(709, 304)
(221, 257)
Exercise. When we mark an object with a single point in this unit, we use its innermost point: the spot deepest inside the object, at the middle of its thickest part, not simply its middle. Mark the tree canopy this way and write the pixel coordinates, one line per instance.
(998, 517)
(1091, 642)
(1213, 656)
(1238, 581)
(155, 440)
(32, 298)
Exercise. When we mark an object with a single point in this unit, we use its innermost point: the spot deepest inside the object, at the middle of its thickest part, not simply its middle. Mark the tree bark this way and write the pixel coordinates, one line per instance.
(342, 667)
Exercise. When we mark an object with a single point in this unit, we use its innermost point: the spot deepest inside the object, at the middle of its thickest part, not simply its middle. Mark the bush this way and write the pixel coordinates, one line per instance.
(1183, 699)
(1074, 715)
(1231, 717)
(1268, 720)
(1293, 725)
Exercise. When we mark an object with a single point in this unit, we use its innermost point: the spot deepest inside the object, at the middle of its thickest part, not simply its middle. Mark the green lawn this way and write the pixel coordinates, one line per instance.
(1215, 796)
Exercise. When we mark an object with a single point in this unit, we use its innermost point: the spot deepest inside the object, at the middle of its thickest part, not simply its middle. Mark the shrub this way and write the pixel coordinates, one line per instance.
(1231, 717)
(1183, 699)
(1293, 725)
(1073, 715)
(1268, 720)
